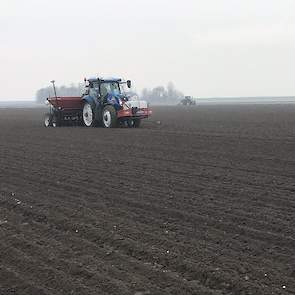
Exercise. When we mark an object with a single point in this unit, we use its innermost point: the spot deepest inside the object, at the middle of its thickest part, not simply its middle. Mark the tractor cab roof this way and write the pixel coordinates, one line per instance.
(101, 79)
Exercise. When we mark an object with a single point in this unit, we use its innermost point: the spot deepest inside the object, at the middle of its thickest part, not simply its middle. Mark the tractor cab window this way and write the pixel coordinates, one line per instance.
(95, 85)
(93, 89)
(123, 88)
(109, 88)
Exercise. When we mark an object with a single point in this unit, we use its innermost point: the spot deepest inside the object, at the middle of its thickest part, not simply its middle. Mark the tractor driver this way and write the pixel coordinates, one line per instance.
(103, 90)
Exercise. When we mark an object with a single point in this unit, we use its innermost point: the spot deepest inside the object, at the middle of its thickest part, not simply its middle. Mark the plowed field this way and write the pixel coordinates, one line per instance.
(202, 202)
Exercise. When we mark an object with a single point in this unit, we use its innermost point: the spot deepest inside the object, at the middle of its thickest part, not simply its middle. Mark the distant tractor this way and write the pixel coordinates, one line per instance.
(188, 101)
(103, 103)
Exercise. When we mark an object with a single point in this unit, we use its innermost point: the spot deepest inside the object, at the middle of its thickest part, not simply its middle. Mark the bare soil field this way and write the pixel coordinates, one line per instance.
(203, 203)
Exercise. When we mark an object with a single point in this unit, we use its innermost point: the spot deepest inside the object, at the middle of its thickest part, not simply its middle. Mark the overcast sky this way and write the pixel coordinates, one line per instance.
(206, 48)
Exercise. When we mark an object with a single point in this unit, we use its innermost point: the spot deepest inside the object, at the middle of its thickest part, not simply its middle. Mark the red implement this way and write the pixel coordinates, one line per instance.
(141, 113)
(67, 102)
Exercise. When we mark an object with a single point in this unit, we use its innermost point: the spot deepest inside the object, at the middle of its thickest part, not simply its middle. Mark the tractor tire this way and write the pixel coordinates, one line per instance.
(136, 123)
(48, 120)
(129, 123)
(88, 117)
(109, 117)
(133, 123)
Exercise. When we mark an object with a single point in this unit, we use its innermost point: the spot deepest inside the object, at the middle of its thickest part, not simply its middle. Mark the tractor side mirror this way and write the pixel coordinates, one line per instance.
(128, 83)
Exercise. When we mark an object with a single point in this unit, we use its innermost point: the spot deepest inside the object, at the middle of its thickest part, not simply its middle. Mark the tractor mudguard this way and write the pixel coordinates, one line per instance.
(95, 105)
(90, 100)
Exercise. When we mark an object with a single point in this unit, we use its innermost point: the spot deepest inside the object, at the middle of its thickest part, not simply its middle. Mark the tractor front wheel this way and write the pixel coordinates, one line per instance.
(88, 115)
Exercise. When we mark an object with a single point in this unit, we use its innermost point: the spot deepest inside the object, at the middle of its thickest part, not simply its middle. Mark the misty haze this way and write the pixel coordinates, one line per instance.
(147, 147)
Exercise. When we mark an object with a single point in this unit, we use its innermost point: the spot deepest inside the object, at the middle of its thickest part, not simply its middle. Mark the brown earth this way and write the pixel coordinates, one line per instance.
(202, 203)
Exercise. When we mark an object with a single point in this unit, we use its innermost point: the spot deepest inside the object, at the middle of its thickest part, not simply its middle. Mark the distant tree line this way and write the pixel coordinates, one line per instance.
(157, 95)
(162, 95)
(72, 90)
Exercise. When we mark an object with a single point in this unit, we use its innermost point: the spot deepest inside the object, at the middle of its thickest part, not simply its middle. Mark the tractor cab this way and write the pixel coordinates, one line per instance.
(100, 87)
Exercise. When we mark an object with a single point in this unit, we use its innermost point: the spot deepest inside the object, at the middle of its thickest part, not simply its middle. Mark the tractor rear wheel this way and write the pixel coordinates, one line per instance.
(109, 117)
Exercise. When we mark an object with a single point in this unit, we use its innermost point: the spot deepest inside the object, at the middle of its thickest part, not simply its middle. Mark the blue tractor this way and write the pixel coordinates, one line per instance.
(104, 102)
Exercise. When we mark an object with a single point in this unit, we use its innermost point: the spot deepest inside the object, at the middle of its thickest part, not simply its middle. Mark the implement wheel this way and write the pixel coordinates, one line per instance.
(55, 121)
(48, 120)
(136, 123)
(133, 123)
